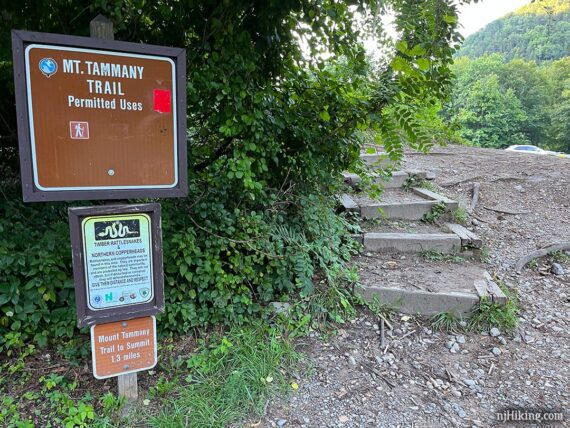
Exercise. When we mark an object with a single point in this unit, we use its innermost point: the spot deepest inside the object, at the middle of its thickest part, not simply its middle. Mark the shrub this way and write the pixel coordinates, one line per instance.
(271, 127)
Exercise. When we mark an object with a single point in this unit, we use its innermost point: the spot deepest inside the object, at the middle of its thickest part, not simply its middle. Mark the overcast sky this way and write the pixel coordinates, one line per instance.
(473, 17)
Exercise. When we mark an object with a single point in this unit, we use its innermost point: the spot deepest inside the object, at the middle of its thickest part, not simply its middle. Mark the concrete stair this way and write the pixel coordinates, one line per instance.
(397, 180)
(376, 160)
(413, 208)
(431, 288)
(392, 268)
(445, 243)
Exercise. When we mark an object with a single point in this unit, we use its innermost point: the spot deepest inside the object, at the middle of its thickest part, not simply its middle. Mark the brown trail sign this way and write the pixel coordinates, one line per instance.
(99, 119)
(123, 347)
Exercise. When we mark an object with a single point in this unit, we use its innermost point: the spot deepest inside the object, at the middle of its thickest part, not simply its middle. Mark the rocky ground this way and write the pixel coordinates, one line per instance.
(428, 378)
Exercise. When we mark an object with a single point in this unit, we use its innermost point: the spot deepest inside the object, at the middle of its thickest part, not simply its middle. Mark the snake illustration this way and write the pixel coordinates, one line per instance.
(115, 232)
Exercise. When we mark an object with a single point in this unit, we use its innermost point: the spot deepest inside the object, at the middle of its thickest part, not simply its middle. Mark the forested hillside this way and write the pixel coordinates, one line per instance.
(512, 80)
(497, 103)
(538, 32)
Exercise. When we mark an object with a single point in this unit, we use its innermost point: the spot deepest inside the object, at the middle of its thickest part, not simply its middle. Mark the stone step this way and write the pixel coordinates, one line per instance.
(376, 160)
(417, 302)
(398, 178)
(348, 203)
(403, 205)
(397, 210)
(468, 238)
(415, 286)
(445, 243)
(429, 195)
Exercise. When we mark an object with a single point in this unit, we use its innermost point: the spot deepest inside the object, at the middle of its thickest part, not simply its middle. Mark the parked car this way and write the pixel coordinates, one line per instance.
(527, 149)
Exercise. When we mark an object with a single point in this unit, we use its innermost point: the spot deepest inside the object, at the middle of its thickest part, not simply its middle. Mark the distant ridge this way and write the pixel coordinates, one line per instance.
(539, 31)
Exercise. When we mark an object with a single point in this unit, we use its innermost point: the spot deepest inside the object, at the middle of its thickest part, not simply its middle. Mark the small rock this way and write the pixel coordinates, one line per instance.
(519, 188)
(496, 351)
(281, 422)
(469, 382)
(352, 360)
(343, 419)
(460, 412)
(495, 332)
(456, 393)
(454, 348)
(450, 344)
(280, 307)
(502, 340)
(556, 269)
(460, 339)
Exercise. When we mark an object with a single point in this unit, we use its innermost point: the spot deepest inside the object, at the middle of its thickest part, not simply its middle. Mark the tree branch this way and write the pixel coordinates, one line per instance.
(523, 261)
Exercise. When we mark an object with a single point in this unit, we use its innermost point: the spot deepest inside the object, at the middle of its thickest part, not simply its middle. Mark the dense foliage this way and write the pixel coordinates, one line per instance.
(280, 95)
(497, 103)
(538, 32)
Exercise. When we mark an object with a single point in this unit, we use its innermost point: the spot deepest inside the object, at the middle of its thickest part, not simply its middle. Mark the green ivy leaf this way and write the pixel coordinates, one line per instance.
(423, 64)
(324, 115)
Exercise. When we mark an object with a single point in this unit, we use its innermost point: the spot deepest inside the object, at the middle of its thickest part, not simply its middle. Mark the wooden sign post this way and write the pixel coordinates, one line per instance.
(101, 27)
(117, 266)
(100, 119)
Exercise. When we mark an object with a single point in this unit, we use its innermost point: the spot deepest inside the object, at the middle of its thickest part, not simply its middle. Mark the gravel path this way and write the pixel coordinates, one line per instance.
(426, 378)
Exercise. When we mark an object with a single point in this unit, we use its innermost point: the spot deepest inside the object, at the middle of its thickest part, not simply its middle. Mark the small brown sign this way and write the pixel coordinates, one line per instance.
(99, 119)
(123, 347)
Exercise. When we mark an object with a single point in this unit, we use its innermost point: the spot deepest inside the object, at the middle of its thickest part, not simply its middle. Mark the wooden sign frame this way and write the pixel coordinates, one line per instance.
(87, 315)
(31, 192)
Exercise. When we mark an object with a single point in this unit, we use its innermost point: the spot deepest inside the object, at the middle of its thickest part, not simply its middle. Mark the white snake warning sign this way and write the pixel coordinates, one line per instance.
(118, 260)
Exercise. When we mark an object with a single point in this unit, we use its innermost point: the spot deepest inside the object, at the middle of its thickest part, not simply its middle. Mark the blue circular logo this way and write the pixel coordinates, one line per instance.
(48, 66)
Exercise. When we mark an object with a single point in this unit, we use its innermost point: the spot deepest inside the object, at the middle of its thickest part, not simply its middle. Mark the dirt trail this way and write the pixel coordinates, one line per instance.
(418, 380)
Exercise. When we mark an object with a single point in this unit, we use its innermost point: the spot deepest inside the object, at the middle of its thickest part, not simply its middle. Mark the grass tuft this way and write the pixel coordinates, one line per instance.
(485, 316)
(437, 211)
(230, 380)
(485, 254)
(437, 256)
(461, 216)
(559, 256)
(488, 315)
(429, 185)
(446, 322)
